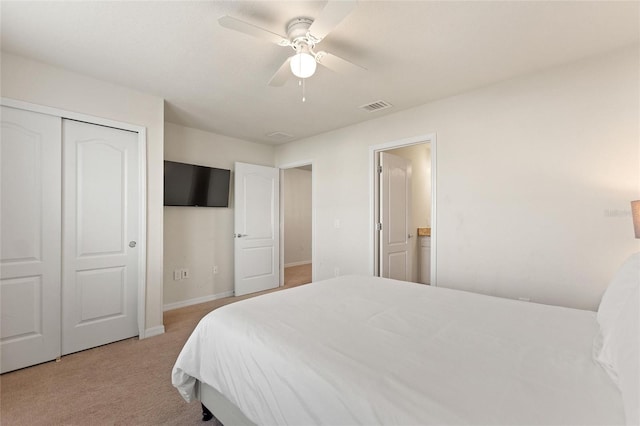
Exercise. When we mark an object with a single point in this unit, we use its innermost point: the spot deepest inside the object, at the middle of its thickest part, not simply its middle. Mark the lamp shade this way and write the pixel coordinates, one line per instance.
(303, 65)
(635, 214)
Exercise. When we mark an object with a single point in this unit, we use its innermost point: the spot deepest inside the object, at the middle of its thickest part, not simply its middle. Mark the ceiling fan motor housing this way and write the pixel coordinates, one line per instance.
(298, 27)
(298, 33)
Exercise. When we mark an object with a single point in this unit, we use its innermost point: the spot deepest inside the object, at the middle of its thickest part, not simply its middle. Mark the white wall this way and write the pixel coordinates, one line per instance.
(529, 171)
(296, 199)
(42, 84)
(197, 238)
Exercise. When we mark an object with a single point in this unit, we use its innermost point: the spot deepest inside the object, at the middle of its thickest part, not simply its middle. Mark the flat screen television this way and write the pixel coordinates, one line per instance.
(192, 185)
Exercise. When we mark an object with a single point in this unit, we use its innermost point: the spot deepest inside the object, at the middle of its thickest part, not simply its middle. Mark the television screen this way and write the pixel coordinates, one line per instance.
(192, 185)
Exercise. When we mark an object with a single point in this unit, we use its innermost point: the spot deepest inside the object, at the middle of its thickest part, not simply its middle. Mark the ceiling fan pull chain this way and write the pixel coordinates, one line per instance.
(304, 99)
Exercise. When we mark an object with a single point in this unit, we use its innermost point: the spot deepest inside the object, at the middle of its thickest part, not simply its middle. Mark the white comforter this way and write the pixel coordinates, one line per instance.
(362, 350)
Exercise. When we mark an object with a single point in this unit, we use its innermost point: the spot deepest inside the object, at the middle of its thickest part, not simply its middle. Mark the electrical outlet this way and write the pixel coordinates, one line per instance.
(185, 274)
(336, 272)
(215, 269)
(177, 275)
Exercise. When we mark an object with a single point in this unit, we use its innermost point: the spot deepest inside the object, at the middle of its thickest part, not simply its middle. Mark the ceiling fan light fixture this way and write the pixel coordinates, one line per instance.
(303, 65)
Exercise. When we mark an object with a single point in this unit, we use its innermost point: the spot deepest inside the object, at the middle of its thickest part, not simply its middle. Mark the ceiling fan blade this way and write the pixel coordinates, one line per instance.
(337, 64)
(332, 14)
(252, 30)
(282, 75)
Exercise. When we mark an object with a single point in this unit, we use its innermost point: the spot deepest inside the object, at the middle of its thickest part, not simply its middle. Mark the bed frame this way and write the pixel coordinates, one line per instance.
(223, 409)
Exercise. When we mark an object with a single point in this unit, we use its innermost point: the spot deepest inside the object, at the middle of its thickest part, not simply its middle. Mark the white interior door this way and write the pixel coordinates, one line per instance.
(257, 228)
(395, 217)
(30, 150)
(101, 221)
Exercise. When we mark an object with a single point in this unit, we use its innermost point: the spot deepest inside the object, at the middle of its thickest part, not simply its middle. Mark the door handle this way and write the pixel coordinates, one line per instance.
(132, 244)
(240, 235)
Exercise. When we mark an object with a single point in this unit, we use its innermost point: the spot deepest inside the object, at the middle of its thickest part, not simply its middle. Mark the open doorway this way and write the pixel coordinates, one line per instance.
(403, 210)
(296, 248)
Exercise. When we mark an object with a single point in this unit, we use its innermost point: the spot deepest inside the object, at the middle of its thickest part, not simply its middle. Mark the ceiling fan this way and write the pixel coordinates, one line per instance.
(303, 34)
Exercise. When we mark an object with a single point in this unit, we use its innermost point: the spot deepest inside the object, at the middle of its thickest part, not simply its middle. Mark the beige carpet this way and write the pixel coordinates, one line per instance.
(123, 383)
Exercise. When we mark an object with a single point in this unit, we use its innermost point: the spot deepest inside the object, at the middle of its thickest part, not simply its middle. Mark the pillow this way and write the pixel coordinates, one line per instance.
(616, 346)
(621, 350)
(624, 282)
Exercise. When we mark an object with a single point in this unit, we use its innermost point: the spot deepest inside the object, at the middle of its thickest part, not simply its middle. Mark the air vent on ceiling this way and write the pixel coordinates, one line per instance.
(279, 136)
(376, 106)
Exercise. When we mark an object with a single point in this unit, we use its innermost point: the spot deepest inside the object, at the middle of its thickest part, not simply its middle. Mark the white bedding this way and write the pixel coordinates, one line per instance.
(362, 350)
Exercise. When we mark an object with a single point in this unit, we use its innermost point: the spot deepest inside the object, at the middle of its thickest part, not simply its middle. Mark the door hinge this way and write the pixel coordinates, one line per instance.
(380, 169)
(378, 227)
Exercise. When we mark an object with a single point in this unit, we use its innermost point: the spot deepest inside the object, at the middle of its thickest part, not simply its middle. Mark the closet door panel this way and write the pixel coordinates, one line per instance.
(100, 268)
(30, 221)
(100, 203)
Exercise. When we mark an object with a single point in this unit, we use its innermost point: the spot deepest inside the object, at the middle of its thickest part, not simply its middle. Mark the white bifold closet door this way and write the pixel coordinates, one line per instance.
(100, 223)
(70, 224)
(30, 216)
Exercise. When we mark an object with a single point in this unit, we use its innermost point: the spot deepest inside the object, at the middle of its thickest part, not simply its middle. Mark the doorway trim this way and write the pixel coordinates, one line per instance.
(373, 198)
(142, 187)
(295, 165)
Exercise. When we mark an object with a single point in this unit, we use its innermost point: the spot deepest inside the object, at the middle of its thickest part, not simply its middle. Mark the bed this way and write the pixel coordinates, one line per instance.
(364, 350)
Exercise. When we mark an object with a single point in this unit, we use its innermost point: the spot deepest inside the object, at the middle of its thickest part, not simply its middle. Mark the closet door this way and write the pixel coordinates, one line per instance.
(101, 221)
(30, 151)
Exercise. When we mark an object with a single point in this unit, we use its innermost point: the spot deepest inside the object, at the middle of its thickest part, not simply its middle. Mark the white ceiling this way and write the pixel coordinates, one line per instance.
(216, 79)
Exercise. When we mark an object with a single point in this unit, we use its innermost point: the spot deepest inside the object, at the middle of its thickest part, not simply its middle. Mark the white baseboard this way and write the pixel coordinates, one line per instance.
(154, 331)
(304, 262)
(195, 301)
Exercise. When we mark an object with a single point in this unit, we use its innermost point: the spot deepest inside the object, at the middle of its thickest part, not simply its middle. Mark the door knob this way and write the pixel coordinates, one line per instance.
(132, 244)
